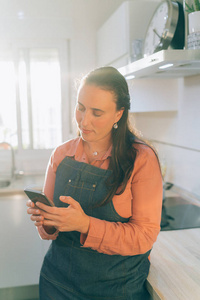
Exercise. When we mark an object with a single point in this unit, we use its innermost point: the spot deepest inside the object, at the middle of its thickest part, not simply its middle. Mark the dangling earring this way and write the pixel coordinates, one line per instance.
(115, 126)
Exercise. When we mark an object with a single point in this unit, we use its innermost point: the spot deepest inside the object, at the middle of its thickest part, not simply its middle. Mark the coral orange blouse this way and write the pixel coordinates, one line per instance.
(141, 202)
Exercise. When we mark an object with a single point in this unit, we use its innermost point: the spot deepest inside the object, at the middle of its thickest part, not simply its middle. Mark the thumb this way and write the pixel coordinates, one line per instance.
(69, 200)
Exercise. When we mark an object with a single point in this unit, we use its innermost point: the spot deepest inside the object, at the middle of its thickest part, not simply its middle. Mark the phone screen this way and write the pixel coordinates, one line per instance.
(38, 196)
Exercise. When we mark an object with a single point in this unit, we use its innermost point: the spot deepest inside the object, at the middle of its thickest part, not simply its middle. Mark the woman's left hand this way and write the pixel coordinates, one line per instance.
(71, 218)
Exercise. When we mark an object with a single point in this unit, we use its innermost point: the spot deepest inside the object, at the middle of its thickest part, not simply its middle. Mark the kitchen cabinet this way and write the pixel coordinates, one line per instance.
(155, 88)
(150, 95)
(114, 38)
(21, 251)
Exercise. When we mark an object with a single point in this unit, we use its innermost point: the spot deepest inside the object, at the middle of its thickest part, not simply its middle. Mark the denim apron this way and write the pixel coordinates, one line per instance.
(73, 272)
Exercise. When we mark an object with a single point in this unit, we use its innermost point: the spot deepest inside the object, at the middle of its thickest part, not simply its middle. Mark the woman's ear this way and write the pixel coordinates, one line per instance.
(119, 114)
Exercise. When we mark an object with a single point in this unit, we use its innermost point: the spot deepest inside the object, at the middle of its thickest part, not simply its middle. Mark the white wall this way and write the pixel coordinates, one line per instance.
(72, 23)
(75, 20)
(178, 135)
(52, 20)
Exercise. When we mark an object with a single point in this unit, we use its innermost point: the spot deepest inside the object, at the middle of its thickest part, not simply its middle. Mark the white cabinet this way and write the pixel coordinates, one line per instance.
(21, 251)
(155, 88)
(112, 38)
(128, 22)
(148, 95)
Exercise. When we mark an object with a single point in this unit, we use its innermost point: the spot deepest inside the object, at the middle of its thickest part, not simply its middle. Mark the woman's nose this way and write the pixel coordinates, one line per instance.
(85, 118)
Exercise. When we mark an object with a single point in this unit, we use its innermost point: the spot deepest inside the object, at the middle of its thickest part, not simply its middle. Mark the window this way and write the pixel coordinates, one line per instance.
(40, 98)
(39, 86)
(8, 118)
(31, 102)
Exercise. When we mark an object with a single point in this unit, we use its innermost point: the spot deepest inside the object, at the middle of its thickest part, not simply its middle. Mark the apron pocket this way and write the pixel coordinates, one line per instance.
(81, 191)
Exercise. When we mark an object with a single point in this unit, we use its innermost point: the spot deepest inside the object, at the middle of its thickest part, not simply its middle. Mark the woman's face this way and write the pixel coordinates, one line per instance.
(96, 113)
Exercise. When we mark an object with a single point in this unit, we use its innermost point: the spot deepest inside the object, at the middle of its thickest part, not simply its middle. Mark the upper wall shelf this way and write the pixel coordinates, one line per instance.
(182, 63)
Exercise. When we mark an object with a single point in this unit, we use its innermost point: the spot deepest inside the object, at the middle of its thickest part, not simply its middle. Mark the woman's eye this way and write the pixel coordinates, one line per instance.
(80, 107)
(97, 113)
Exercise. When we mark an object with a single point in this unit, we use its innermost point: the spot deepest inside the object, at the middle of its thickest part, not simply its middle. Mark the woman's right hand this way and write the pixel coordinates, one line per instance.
(34, 211)
(36, 217)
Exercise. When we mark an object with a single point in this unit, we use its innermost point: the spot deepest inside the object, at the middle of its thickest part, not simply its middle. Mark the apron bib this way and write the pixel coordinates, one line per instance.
(73, 272)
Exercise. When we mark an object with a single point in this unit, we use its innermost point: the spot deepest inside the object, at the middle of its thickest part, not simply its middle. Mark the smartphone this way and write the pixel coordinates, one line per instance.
(38, 196)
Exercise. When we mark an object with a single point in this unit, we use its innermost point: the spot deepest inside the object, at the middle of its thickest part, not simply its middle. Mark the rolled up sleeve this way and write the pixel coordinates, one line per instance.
(138, 235)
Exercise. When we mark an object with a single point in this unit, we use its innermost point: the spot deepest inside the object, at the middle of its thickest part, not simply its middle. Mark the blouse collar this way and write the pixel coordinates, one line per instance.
(77, 150)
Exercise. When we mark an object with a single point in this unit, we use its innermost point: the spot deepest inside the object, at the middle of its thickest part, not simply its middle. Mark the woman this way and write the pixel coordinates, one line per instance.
(107, 188)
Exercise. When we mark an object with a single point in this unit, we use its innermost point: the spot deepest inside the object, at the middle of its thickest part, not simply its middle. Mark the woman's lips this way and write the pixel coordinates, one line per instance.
(86, 131)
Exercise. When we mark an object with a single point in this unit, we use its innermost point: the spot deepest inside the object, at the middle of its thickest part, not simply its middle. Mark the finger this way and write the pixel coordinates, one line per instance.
(49, 223)
(29, 203)
(33, 211)
(36, 218)
(70, 201)
(45, 207)
(49, 216)
(38, 224)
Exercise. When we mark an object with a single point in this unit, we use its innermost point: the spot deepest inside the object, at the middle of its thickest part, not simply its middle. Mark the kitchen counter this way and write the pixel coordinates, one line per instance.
(175, 266)
(18, 184)
(175, 258)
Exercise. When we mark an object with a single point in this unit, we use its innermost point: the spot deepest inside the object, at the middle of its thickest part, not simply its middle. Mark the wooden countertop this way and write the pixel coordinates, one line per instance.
(175, 266)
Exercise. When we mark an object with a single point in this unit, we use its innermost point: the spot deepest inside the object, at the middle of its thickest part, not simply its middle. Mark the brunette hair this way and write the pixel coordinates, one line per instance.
(123, 152)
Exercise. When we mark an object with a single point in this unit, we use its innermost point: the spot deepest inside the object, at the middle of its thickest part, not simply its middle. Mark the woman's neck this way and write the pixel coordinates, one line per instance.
(95, 150)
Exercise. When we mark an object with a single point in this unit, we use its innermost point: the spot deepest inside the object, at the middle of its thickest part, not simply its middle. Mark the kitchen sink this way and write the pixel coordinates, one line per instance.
(4, 183)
